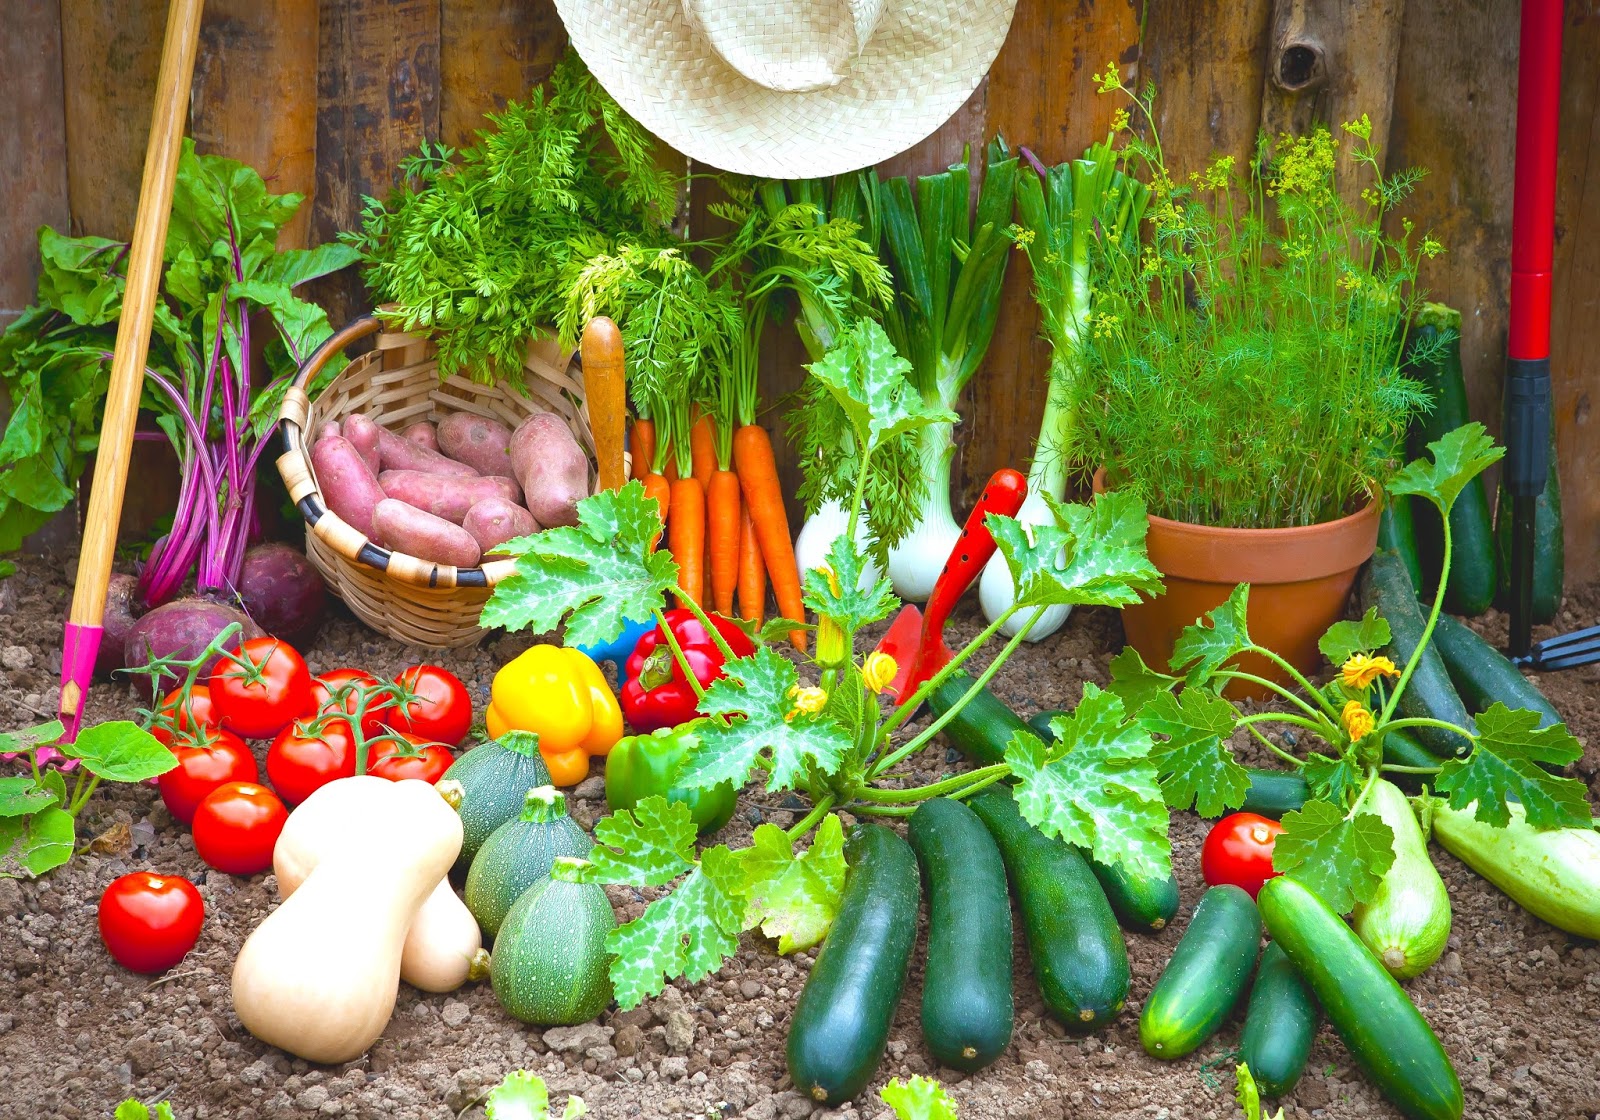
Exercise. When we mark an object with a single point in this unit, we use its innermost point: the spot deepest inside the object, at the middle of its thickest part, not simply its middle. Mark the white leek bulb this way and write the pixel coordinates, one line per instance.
(819, 532)
(996, 592)
(915, 563)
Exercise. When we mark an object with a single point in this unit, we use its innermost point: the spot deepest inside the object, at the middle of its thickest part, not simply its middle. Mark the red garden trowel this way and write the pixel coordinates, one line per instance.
(916, 638)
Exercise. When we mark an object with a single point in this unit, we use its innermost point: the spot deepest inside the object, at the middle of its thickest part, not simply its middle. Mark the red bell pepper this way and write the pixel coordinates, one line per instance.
(657, 693)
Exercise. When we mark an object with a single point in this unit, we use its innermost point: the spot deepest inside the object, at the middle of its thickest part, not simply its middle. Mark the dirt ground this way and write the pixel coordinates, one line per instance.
(1515, 1002)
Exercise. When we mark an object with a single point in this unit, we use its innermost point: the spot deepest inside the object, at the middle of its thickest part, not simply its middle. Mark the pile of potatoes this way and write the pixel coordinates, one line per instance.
(452, 492)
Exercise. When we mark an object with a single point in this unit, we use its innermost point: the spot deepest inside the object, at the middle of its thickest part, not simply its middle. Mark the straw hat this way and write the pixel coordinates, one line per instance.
(789, 88)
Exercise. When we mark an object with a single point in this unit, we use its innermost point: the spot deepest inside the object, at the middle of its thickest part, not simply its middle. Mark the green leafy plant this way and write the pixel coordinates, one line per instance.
(134, 1109)
(1243, 369)
(921, 1098)
(1248, 1094)
(523, 1096)
(1330, 845)
(820, 727)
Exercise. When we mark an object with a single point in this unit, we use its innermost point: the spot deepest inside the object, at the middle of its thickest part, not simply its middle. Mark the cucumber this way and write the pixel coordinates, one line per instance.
(1206, 975)
(1549, 561)
(1482, 675)
(1473, 569)
(1279, 1024)
(983, 728)
(1079, 957)
(1273, 793)
(521, 853)
(494, 777)
(1039, 723)
(1389, 1038)
(1397, 532)
(1429, 693)
(1407, 922)
(550, 965)
(1402, 748)
(841, 1021)
(966, 993)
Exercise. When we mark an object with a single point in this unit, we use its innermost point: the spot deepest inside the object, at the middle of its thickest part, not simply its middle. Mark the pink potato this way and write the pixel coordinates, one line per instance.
(363, 433)
(494, 521)
(553, 469)
(479, 442)
(449, 498)
(348, 487)
(329, 429)
(396, 453)
(403, 528)
(423, 434)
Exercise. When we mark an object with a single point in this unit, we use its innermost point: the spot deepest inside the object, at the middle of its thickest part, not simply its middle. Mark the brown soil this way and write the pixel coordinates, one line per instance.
(1514, 1001)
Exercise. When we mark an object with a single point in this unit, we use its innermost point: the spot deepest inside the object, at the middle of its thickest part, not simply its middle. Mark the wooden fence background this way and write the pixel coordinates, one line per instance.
(327, 97)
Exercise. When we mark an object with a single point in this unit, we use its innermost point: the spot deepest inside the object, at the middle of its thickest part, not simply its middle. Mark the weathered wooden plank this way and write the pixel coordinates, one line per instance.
(491, 52)
(1207, 59)
(255, 95)
(377, 101)
(33, 147)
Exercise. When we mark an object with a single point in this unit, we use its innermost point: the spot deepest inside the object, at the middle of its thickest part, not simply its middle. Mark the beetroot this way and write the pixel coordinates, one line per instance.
(282, 592)
(182, 628)
(121, 613)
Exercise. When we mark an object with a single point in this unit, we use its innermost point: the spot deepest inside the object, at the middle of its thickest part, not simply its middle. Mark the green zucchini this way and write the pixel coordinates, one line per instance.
(1402, 748)
(1482, 675)
(521, 853)
(550, 965)
(1407, 922)
(1436, 364)
(1279, 1024)
(1429, 693)
(1078, 954)
(983, 728)
(1206, 975)
(1389, 1038)
(1553, 875)
(1273, 793)
(1549, 559)
(493, 777)
(966, 993)
(841, 1021)
(1039, 723)
(1397, 532)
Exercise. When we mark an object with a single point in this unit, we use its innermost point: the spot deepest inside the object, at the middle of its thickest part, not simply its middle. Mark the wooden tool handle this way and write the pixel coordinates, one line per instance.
(603, 388)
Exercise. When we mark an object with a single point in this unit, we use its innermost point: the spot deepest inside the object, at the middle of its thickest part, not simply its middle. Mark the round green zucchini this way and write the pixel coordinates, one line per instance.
(519, 854)
(550, 965)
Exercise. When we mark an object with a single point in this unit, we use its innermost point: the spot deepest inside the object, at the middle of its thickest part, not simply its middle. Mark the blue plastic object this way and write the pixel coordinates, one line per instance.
(619, 649)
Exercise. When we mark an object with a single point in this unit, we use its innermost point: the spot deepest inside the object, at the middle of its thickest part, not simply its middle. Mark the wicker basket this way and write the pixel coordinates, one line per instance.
(396, 384)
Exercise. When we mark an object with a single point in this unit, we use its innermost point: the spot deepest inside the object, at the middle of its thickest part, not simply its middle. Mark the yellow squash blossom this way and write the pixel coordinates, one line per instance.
(1357, 720)
(810, 700)
(1361, 670)
(878, 670)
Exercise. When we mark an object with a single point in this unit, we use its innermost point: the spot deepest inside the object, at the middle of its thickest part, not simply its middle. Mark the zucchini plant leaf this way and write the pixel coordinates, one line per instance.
(1339, 858)
(523, 1096)
(1092, 555)
(1203, 648)
(1136, 682)
(1504, 765)
(867, 378)
(597, 574)
(26, 739)
(1459, 456)
(921, 1098)
(759, 721)
(33, 845)
(1346, 638)
(1095, 786)
(836, 594)
(649, 845)
(792, 898)
(120, 751)
(21, 796)
(1193, 760)
(1331, 779)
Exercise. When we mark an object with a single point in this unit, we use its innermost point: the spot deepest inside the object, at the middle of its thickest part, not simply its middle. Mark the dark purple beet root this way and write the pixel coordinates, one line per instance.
(182, 628)
(121, 613)
(283, 592)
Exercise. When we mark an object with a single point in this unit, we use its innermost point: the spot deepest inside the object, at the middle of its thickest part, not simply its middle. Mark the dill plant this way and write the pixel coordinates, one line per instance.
(1242, 366)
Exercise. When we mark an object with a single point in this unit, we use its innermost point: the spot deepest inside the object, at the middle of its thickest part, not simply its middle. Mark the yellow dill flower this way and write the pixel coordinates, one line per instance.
(1361, 670)
(878, 670)
(1119, 120)
(809, 699)
(1357, 720)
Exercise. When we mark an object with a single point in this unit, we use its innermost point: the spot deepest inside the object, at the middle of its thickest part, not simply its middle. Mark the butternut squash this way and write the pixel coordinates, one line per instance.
(443, 947)
(319, 977)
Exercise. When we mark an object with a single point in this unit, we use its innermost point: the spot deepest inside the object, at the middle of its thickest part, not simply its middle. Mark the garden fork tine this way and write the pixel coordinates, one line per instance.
(1564, 651)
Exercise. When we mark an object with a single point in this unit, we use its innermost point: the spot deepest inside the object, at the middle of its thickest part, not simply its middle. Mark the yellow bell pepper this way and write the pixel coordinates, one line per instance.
(561, 695)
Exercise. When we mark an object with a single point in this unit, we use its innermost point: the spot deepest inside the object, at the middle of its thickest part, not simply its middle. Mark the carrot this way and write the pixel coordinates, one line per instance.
(758, 480)
(752, 572)
(723, 508)
(656, 487)
(702, 448)
(686, 535)
(642, 447)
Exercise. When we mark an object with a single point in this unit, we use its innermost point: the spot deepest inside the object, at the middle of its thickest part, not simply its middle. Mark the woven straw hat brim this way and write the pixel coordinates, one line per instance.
(921, 64)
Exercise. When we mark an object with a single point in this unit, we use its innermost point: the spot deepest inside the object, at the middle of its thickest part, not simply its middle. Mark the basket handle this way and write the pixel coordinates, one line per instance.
(322, 355)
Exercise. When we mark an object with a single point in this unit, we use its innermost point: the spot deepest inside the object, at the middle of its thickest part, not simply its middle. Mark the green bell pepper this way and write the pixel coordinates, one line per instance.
(641, 766)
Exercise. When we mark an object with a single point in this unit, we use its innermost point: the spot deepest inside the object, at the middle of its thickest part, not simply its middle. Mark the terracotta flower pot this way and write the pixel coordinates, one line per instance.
(1299, 581)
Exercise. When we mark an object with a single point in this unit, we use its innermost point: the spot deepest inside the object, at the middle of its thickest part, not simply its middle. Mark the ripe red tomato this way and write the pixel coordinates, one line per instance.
(236, 827)
(148, 921)
(304, 758)
(258, 700)
(441, 710)
(172, 714)
(207, 759)
(324, 687)
(384, 759)
(1238, 850)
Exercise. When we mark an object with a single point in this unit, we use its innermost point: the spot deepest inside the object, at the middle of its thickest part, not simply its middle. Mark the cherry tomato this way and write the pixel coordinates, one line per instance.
(150, 921)
(324, 687)
(441, 710)
(236, 827)
(172, 715)
(384, 759)
(1238, 850)
(258, 700)
(207, 759)
(304, 758)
